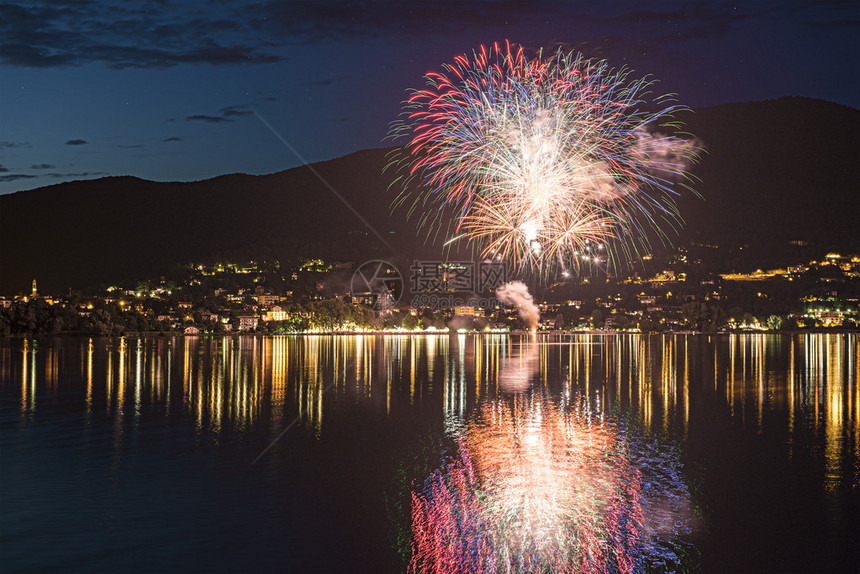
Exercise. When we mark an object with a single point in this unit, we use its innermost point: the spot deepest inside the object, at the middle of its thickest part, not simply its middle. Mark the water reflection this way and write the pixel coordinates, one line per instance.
(534, 488)
(811, 378)
(28, 379)
(519, 369)
(541, 485)
(568, 442)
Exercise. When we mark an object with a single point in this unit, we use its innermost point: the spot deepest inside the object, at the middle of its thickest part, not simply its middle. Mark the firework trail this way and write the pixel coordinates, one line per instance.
(533, 159)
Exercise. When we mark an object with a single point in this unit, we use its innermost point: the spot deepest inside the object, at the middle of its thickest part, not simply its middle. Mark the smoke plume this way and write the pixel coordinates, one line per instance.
(667, 156)
(517, 295)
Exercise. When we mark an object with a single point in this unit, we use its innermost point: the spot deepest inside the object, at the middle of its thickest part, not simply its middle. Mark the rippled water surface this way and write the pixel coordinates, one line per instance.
(446, 453)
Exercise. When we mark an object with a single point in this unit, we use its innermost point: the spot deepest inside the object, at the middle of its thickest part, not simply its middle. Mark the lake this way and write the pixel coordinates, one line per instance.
(454, 453)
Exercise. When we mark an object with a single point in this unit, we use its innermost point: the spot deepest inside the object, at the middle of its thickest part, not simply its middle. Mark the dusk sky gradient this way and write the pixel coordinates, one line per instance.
(164, 89)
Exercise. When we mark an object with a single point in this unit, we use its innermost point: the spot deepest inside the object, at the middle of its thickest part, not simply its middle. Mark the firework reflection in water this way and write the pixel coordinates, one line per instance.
(538, 486)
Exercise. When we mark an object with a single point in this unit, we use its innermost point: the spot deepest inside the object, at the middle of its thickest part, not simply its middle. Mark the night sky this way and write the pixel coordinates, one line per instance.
(164, 89)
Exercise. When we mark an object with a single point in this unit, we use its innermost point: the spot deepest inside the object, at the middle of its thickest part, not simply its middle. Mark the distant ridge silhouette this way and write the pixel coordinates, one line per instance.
(774, 171)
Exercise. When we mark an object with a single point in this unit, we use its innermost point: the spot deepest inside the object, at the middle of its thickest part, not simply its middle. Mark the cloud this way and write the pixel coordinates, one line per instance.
(328, 81)
(225, 114)
(130, 146)
(833, 15)
(133, 34)
(239, 110)
(3, 169)
(82, 174)
(158, 34)
(16, 176)
(161, 34)
(76, 142)
(42, 166)
(205, 118)
(172, 139)
(14, 144)
(310, 21)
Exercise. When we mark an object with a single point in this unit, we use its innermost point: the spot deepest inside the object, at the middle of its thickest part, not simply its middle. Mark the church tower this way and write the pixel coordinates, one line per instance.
(35, 292)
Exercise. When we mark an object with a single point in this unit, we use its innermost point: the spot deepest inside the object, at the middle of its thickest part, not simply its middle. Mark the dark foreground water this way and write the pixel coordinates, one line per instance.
(431, 453)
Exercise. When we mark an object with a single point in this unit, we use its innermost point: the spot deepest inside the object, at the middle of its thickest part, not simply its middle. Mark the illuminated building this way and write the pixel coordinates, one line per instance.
(248, 322)
(267, 299)
(468, 311)
(275, 314)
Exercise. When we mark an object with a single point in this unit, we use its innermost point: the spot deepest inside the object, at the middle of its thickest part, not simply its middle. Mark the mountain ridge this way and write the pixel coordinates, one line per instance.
(773, 171)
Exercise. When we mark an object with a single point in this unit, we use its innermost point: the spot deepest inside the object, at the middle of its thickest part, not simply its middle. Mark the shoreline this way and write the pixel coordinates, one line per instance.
(519, 333)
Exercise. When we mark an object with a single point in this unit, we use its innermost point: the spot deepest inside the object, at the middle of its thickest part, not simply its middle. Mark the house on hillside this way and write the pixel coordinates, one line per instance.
(266, 299)
(248, 322)
(207, 316)
(275, 314)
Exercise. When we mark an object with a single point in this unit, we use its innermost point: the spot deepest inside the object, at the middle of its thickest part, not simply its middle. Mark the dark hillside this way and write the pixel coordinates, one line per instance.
(774, 171)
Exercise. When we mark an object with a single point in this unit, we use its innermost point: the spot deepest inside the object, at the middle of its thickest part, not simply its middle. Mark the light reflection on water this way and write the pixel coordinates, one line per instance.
(516, 409)
(812, 377)
(540, 485)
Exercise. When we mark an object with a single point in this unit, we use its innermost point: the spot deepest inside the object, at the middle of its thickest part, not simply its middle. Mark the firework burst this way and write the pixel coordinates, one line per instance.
(531, 159)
